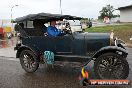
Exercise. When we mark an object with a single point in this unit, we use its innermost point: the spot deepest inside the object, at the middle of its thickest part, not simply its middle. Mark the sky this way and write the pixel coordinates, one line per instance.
(83, 8)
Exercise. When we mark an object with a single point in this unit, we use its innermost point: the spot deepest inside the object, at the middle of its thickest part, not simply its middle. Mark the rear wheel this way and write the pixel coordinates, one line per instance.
(111, 66)
(28, 61)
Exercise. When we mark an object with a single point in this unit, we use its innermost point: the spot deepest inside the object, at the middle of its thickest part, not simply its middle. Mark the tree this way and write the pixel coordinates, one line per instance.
(107, 12)
(84, 20)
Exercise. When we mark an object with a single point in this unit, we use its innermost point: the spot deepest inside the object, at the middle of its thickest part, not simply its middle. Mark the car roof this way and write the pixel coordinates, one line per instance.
(47, 17)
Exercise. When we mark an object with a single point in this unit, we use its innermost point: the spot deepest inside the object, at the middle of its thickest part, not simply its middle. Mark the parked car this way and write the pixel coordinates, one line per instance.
(71, 25)
(108, 54)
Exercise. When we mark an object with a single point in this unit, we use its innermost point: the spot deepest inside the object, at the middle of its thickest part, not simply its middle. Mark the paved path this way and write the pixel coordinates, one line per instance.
(8, 52)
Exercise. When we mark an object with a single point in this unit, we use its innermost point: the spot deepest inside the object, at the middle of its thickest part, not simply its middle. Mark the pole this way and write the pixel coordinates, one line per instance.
(60, 7)
(11, 15)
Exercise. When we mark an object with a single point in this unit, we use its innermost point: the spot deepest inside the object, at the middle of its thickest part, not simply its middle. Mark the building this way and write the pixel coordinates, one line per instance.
(126, 13)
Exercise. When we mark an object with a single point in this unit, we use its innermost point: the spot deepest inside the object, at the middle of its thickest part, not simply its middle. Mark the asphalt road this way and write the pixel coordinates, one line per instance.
(13, 76)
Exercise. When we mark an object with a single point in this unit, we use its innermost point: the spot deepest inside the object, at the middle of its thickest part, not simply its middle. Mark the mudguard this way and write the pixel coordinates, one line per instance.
(114, 49)
(23, 47)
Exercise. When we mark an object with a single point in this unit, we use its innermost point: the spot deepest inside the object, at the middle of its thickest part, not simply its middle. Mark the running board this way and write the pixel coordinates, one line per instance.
(72, 58)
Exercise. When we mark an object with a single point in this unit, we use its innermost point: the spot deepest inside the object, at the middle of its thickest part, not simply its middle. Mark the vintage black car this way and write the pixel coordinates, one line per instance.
(108, 54)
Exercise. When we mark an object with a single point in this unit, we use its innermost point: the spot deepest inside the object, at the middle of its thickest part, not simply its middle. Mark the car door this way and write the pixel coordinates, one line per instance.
(43, 43)
(63, 44)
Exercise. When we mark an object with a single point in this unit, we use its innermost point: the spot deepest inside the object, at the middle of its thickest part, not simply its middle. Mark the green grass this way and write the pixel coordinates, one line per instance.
(123, 31)
(109, 28)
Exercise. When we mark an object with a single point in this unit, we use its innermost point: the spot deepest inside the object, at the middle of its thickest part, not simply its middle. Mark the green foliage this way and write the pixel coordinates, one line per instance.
(107, 11)
(12, 20)
(84, 20)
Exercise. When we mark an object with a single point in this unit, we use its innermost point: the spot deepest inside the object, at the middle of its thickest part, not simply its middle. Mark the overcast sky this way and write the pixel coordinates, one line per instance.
(83, 8)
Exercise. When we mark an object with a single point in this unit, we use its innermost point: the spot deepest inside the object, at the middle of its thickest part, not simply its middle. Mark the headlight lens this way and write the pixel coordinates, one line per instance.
(112, 35)
(119, 41)
(112, 38)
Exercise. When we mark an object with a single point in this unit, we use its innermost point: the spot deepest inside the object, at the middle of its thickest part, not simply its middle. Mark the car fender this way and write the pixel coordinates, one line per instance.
(114, 49)
(23, 47)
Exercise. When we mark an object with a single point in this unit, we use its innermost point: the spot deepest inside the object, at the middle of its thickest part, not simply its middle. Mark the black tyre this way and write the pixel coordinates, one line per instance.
(28, 61)
(111, 66)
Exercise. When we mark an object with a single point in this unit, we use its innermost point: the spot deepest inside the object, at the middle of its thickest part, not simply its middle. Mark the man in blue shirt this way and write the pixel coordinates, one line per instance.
(52, 30)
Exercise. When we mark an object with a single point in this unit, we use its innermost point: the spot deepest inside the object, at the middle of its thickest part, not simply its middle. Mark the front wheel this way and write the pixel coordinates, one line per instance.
(111, 66)
(28, 61)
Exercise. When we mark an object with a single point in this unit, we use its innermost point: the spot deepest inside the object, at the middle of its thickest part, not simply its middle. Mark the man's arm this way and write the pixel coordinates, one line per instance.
(52, 31)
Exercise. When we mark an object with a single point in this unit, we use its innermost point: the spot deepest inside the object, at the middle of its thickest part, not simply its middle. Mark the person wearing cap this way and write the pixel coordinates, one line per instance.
(53, 31)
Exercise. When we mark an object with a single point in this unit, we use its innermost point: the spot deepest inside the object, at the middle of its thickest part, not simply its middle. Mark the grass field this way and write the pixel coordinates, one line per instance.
(123, 31)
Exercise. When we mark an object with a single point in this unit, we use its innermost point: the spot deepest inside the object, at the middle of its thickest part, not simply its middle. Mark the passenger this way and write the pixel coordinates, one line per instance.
(40, 28)
(53, 31)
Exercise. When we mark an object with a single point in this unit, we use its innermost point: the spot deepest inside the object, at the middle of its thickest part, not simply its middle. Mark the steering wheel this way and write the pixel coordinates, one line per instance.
(67, 31)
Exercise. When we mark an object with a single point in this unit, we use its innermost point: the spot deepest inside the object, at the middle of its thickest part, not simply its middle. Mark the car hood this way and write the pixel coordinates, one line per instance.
(87, 35)
(93, 41)
(97, 35)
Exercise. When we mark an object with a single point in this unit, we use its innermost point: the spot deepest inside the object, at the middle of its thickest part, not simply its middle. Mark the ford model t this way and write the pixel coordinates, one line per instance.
(34, 46)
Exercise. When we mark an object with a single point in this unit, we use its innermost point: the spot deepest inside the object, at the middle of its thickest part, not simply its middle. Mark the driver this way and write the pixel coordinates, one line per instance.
(53, 31)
